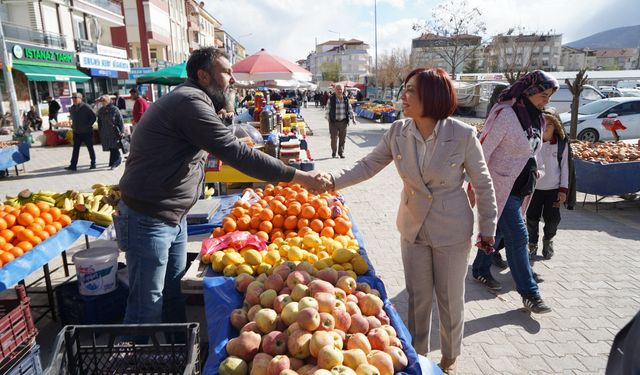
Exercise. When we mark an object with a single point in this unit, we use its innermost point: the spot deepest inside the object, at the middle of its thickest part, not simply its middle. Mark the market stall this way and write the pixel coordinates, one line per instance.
(377, 112)
(12, 154)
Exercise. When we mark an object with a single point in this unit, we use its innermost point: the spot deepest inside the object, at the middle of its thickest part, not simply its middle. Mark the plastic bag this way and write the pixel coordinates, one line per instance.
(236, 240)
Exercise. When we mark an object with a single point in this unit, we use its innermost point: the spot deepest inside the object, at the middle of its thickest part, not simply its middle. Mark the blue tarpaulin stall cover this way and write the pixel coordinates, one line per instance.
(40, 255)
(221, 298)
(607, 179)
(14, 155)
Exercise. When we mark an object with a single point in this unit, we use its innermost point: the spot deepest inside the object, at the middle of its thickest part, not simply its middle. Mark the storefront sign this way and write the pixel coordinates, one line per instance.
(113, 52)
(137, 72)
(47, 55)
(89, 60)
(103, 73)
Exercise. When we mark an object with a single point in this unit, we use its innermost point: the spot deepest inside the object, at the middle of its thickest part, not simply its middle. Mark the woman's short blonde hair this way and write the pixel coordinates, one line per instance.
(105, 99)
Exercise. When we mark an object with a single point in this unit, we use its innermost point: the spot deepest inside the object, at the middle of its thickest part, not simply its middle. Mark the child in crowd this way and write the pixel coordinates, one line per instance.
(551, 190)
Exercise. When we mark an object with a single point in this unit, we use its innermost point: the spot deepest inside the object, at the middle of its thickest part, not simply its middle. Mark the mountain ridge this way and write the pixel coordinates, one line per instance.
(620, 37)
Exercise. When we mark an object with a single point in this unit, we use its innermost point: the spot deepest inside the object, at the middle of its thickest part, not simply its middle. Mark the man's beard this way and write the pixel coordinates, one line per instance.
(219, 96)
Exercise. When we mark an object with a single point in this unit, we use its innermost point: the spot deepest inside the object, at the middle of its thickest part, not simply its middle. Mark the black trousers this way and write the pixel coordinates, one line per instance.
(78, 139)
(542, 206)
(338, 133)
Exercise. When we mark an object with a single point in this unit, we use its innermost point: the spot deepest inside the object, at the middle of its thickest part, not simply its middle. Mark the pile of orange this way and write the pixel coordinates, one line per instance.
(22, 228)
(287, 210)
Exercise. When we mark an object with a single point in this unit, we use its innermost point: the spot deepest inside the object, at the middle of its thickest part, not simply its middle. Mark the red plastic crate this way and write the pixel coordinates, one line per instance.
(16, 323)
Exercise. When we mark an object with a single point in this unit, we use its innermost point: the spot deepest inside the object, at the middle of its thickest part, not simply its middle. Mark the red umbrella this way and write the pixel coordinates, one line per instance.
(347, 84)
(263, 66)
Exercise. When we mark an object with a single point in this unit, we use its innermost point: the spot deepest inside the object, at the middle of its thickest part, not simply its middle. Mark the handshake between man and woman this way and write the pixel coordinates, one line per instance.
(316, 181)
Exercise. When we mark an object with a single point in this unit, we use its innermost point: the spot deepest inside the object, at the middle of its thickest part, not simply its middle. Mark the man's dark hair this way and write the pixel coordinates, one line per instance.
(134, 91)
(203, 58)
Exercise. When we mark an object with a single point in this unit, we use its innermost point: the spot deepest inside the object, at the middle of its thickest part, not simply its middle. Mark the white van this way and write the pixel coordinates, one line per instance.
(561, 99)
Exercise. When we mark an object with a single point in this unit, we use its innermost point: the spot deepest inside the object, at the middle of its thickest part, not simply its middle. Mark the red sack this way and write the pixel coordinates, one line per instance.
(235, 239)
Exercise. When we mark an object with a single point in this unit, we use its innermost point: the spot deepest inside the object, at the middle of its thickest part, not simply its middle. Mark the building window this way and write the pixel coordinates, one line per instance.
(80, 27)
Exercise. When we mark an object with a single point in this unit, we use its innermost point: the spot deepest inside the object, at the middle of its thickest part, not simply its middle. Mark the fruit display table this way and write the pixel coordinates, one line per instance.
(607, 179)
(13, 155)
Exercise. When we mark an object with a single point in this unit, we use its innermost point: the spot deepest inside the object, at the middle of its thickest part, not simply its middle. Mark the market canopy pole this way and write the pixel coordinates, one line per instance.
(6, 69)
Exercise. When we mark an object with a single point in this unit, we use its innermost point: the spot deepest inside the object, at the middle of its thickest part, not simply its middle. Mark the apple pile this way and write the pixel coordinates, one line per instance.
(341, 253)
(294, 323)
(605, 152)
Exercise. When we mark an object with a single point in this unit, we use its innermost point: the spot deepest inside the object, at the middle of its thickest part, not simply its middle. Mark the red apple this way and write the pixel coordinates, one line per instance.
(275, 343)
(309, 319)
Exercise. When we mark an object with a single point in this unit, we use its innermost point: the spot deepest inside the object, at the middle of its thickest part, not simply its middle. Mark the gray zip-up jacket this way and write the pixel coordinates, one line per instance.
(82, 118)
(165, 167)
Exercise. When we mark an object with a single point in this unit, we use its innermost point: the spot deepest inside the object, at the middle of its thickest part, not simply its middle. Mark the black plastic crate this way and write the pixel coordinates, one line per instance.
(104, 349)
(29, 364)
(74, 308)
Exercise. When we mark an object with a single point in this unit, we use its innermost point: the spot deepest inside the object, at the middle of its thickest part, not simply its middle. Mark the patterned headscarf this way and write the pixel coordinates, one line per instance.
(529, 84)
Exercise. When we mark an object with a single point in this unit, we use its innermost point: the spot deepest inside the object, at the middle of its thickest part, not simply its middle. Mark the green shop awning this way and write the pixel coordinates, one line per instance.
(51, 73)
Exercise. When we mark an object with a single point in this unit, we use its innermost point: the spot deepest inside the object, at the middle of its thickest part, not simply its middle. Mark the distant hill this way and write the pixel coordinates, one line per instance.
(621, 37)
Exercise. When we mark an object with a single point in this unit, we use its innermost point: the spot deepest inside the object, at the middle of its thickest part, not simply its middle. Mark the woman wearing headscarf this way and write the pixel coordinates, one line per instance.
(511, 139)
(110, 127)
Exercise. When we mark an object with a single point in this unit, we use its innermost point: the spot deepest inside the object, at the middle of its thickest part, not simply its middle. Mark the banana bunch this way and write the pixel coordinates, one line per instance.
(26, 196)
(208, 192)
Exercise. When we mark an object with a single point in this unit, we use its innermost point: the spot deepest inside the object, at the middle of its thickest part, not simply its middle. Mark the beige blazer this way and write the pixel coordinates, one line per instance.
(437, 198)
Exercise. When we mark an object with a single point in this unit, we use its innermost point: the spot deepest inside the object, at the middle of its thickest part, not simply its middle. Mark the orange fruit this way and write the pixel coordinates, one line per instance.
(44, 207)
(255, 210)
(55, 213)
(302, 223)
(290, 222)
(244, 222)
(237, 212)
(40, 221)
(35, 241)
(324, 212)
(294, 209)
(292, 234)
(25, 245)
(10, 219)
(6, 247)
(3, 224)
(316, 225)
(304, 231)
(47, 217)
(263, 235)
(229, 226)
(50, 229)
(2, 241)
(25, 235)
(32, 209)
(218, 232)
(266, 226)
(342, 226)
(25, 219)
(64, 220)
(280, 209)
(35, 227)
(57, 225)
(327, 232)
(255, 222)
(329, 223)
(6, 257)
(308, 212)
(266, 214)
(42, 234)
(278, 221)
(16, 228)
(275, 234)
(7, 234)
(16, 251)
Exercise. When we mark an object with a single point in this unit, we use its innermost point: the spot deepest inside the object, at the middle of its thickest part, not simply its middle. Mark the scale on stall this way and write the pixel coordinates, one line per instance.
(203, 211)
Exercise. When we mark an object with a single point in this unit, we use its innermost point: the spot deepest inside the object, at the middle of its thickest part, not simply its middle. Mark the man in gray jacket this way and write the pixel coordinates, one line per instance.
(82, 119)
(163, 177)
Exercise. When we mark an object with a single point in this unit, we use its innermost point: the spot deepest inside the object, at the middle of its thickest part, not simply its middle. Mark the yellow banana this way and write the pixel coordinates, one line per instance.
(67, 205)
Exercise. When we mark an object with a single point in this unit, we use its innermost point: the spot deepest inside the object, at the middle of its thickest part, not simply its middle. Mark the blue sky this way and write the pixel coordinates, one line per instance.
(289, 28)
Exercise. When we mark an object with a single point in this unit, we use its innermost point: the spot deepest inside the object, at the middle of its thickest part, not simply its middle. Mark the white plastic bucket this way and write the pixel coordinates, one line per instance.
(96, 269)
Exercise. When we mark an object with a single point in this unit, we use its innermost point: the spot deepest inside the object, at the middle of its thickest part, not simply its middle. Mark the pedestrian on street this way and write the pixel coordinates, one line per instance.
(33, 119)
(324, 99)
(139, 107)
(551, 189)
(54, 108)
(120, 102)
(82, 119)
(511, 142)
(339, 112)
(432, 153)
(111, 129)
(163, 178)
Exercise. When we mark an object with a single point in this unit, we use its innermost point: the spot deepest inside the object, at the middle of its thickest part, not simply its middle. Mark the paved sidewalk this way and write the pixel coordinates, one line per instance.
(592, 283)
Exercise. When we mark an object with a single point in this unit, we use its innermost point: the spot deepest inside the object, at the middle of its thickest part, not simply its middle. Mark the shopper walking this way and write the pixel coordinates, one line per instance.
(551, 189)
(139, 107)
(432, 153)
(82, 119)
(163, 178)
(339, 112)
(511, 141)
(54, 108)
(111, 128)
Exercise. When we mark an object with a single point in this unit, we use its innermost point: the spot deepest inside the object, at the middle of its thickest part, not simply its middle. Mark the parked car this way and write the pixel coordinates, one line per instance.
(629, 92)
(590, 116)
(561, 99)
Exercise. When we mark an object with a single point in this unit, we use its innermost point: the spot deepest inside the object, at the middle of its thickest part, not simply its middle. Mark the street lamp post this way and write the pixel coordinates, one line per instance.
(336, 32)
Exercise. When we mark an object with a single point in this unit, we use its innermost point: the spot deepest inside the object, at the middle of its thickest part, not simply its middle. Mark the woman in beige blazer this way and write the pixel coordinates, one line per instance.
(433, 153)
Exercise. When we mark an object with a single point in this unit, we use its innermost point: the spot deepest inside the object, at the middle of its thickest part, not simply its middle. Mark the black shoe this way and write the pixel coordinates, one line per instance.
(496, 260)
(93, 166)
(547, 249)
(70, 168)
(533, 251)
(333, 156)
(535, 304)
(341, 156)
(489, 282)
(537, 278)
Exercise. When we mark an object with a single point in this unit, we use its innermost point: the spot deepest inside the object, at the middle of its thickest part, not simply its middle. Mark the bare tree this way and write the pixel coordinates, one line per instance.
(331, 71)
(461, 26)
(576, 88)
(513, 52)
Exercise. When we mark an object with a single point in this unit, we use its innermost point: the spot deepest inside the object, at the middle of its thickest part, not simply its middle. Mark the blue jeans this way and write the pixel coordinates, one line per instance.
(156, 254)
(511, 228)
(78, 139)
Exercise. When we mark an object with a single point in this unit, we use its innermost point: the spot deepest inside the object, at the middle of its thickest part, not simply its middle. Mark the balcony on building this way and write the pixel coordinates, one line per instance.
(26, 34)
(107, 10)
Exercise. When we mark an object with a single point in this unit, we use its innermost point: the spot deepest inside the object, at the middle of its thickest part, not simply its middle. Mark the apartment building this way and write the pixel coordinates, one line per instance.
(351, 56)
(524, 52)
(201, 25)
(231, 47)
(437, 51)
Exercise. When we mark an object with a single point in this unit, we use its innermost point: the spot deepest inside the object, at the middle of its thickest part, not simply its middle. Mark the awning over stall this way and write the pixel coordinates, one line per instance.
(51, 73)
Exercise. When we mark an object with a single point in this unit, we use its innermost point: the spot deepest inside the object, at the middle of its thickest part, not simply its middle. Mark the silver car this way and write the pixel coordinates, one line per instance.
(590, 117)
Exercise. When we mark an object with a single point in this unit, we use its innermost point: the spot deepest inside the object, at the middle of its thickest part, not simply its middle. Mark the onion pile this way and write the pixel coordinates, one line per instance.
(605, 152)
